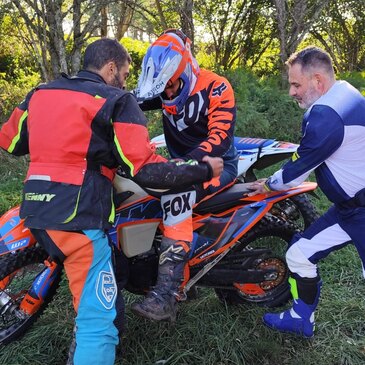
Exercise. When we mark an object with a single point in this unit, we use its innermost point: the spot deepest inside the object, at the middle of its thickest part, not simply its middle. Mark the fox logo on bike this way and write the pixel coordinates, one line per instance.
(106, 289)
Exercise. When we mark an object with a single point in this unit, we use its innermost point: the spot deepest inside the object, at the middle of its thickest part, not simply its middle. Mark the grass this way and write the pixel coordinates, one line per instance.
(207, 331)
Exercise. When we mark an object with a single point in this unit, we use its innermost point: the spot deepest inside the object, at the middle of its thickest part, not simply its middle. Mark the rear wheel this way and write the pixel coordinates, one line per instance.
(275, 235)
(17, 273)
(298, 209)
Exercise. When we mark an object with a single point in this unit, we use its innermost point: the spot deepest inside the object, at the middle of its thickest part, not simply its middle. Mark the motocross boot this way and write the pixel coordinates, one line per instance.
(298, 320)
(161, 303)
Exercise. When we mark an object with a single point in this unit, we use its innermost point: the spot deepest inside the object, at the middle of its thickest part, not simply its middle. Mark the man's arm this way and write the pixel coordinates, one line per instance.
(221, 121)
(323, 135)
(138, 159)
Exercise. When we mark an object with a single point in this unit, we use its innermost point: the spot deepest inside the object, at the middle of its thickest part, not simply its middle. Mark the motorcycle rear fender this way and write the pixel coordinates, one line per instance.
(122, 184)
(259, 159)
(14, 235)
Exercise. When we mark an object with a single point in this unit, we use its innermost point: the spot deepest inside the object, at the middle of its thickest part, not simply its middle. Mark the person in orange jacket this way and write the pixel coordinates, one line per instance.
(77, 131)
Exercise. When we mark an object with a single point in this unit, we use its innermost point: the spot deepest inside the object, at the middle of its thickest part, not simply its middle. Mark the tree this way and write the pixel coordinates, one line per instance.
(294, 20)
(341, 31)
(45, 21)
(239, 30)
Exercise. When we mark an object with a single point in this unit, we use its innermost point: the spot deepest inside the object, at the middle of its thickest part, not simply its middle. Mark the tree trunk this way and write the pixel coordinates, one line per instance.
(186, 20)
(104, 22)
(294, 21)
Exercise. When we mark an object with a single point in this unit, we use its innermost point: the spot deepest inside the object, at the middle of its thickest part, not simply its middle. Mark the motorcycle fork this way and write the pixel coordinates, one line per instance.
(34, 298)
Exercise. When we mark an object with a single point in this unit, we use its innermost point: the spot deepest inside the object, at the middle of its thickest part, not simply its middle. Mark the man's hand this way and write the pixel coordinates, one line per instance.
(257, 187)
(216, 163)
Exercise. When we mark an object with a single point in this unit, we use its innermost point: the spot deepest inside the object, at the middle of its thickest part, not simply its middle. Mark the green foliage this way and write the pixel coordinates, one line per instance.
(137, 49)
(205, 58)
(154, 118)
(18, 73)
(263, 110)
(356, 79)
(15, 60)
(12, 175)
(13, 92)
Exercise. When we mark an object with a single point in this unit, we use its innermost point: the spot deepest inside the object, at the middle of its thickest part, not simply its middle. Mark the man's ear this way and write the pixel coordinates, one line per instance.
(111, 67)
(107, 71)
(319, 81)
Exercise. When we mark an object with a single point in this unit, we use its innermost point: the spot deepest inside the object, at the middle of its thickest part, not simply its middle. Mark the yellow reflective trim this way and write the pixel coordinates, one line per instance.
(98, 97)
(112, 213)
(293, 287)
(17, 137)
(267, 187)
(295, 156)
(73, 215)
(122, 156)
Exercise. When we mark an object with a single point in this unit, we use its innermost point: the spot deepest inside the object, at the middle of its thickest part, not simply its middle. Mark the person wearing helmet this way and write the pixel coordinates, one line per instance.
(77, 131)
(199, 113)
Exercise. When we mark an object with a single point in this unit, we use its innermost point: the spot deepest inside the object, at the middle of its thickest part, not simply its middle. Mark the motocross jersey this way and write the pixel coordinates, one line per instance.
(77, 130)
(333, 143)
(206, 124)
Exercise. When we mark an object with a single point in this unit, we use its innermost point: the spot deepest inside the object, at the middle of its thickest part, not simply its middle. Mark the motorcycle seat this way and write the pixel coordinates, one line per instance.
(224, 200)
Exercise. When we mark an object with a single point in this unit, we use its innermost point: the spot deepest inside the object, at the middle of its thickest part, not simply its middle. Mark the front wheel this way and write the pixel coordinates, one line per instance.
(18, 271)
(274, 290)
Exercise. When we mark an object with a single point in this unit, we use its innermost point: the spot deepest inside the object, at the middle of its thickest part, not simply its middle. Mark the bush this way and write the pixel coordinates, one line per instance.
(12, 93)
(137, 49)
(356, 79)
(263, 109)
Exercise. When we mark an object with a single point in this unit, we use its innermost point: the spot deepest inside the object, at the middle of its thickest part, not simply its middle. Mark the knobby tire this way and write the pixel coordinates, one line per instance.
(9, 264)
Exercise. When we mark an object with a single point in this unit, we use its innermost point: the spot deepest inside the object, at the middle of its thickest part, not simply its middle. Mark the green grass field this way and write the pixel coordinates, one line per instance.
(207, 332)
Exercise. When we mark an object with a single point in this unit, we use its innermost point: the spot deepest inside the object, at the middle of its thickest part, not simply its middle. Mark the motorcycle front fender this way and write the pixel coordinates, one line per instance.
(14, 236)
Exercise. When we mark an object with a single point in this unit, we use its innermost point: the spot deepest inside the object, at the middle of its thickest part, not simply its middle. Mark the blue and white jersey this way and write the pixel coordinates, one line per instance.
(333, 144)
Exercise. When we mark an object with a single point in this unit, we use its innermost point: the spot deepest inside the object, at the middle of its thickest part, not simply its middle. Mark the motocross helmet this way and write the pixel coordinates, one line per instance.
(168, 58)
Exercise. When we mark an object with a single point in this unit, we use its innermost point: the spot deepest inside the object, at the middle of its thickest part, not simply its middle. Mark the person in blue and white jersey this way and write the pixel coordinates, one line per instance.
(332, 145)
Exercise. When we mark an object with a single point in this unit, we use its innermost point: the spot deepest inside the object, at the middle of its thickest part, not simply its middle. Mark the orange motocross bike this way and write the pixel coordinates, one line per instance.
(237, 249)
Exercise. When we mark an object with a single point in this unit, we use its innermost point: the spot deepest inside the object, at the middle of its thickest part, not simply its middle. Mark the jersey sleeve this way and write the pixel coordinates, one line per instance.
(14, 132)
(138, 159)
(323, 135)
(152, 104)
(221, 121)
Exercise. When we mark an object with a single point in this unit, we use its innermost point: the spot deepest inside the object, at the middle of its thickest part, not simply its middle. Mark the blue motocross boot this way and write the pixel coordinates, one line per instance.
(298, 320)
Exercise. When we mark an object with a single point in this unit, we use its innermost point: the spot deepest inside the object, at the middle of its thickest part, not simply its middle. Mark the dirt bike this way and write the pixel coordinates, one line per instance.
(256, 154)
(237, 249)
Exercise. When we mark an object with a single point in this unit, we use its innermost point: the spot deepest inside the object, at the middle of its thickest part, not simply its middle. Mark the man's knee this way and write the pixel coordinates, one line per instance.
(298, 263)
(177, 215)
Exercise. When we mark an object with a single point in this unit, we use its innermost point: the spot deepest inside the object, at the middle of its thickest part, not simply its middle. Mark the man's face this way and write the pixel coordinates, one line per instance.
(303, 86)
(171, 89)
(120, 76)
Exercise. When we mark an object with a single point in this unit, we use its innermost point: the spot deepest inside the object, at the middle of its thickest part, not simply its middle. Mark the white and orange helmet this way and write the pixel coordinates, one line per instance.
(168, 58)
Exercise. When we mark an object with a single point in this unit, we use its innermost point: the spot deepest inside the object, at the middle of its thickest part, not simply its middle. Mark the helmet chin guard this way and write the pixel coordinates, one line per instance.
(168, 58)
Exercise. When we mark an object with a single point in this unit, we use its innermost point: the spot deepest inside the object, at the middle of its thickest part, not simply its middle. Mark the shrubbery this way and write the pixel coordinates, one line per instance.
(263, 109)
(13, 92)
(356, 79)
